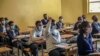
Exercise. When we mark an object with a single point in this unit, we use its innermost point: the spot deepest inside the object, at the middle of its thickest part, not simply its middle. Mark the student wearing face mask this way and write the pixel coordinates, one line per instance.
(95, 25)
(60, 23)
(12, 33)
(79, 21)
(84, 39)
(53, 37)
(35, 39)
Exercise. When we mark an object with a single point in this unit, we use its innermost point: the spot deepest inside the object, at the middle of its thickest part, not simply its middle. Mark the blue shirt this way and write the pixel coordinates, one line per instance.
(60, 25)
(85, 44)
(95, 27)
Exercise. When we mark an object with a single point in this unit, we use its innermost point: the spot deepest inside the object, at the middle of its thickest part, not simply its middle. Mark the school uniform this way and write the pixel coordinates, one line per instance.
(52, 38)
(85, 44)
(76, 26)
(59, 25)
(95, 27)
(3, 38)
(33, 46)
(44, 22)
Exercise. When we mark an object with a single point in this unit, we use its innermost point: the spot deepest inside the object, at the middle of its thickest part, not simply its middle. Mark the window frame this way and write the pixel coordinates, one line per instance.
(88, 5)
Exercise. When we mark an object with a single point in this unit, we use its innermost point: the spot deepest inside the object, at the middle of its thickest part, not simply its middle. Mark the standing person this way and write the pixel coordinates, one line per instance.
(84, 39)
(79, 21)
(95, 25)
(45, 20)
(60, 23)
(53, 37)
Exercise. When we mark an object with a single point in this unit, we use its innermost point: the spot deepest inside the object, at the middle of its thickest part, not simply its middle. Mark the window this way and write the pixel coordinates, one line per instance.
(94, 6)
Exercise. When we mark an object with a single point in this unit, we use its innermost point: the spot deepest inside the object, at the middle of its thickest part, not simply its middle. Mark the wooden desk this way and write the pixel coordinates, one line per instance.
(19, 37)
(5, 50)
(67, 47)
(66, 28)
(95, 54)
(96, 35)
(66, 36)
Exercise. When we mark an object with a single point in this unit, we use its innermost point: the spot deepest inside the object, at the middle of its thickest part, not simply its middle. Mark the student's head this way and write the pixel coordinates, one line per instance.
(45, 16)
(38, 24)
(85, 27)
(60, 18)
(80, 19)
(94, 18)
(1, 19)
(11, 23)
(84, 17)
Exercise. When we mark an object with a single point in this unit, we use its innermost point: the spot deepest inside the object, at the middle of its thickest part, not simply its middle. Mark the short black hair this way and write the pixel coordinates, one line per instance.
(79, 18)
(94, 18)
(37, 22)
(10, 22)
(44, 14)
(83, 26)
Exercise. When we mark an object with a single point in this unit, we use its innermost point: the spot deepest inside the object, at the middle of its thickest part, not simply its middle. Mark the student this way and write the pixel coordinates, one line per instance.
(12, 33)
(38, 32)
(79, 21)
(95, 25)
(35, 39)
(44, 20)
(84, 39)
(53, 37)
(3, 34)
(60, 23)
(84, 17)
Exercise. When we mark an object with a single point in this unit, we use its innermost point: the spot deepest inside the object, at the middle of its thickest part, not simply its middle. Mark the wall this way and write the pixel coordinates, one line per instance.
(71, 9)
(89, 15)
(26, 12)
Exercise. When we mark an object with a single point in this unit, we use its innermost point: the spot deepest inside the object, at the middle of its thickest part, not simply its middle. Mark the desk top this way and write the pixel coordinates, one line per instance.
(22, 36)
(97, 34)
(4, 49)
(66, 46)
(66, 36)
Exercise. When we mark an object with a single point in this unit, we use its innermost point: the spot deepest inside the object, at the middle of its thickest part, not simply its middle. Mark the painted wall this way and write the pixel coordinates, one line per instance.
(26, 12)
(71, 9)
(89, 15)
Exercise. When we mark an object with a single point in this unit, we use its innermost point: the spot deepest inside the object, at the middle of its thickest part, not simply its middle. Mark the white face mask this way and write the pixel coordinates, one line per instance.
(13, 27)
(40, 28)
(53, 27)
(3, 22)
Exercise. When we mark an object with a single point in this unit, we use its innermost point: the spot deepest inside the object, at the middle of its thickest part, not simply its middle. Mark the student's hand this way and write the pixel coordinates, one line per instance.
(50, 18)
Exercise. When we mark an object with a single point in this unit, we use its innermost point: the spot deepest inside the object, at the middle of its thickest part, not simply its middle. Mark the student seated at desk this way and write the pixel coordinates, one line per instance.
(38, 33)
(12, 32)
(60, 23)
(44, 20)
(76, 26)
(35, 39)
(3, 34)
(95, 25)
(52, 38)
(84, 39)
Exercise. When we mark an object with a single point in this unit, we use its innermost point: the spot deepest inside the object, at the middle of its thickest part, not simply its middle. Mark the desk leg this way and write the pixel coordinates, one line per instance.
(67, 52)
(42, 50)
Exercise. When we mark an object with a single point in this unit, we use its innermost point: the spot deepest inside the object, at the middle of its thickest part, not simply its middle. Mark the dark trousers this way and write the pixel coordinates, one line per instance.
(21, 45)
(57, 52)
(33, 47)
